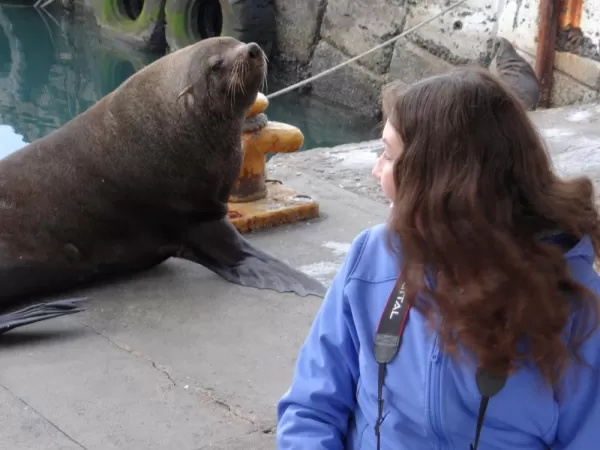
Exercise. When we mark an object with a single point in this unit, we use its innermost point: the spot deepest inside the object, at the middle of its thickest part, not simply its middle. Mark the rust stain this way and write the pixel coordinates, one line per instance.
(571, 14)
(550, 11)
(275, 137)
(282, 205)
(254, 204)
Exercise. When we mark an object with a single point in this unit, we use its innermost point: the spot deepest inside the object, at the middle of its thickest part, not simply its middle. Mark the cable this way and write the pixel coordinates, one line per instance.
(389, 41)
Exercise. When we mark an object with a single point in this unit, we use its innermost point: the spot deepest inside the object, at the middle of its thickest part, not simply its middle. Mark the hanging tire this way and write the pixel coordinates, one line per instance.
(141, 23)
(189, 21)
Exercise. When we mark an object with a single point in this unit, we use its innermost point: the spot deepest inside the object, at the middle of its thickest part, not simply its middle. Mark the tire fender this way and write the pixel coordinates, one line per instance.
(146, 32)
(245, 20)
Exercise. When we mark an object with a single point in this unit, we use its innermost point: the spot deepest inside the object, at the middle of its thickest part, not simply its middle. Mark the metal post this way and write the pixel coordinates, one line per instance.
(549, 11)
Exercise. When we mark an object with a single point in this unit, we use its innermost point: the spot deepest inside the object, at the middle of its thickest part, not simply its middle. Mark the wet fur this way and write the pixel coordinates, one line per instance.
(143, 175)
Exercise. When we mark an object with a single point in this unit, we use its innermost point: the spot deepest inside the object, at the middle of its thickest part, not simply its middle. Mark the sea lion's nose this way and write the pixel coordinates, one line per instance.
(253, 50)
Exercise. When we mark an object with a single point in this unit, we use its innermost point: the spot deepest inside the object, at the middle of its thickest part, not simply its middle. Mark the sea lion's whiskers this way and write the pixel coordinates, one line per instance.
(264, 85)
(194, 147)
(239, 68)
(245, 69)
(230, 92)
(234, 74)
(232, 85)
(239, 77)
(238, 81)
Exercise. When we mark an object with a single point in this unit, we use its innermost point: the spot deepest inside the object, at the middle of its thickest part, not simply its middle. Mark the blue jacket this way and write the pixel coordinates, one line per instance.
(430, 400)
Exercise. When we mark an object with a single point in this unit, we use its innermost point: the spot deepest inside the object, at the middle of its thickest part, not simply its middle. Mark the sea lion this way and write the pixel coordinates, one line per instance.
(517, 73)
(143, 175)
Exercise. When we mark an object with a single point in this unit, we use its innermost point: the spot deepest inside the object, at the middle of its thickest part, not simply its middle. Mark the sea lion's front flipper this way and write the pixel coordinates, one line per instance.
(39, 312)
(220, 247)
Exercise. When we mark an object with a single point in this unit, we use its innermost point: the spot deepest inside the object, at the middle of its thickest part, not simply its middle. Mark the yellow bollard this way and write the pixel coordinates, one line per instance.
(260, 105)
(257, 202)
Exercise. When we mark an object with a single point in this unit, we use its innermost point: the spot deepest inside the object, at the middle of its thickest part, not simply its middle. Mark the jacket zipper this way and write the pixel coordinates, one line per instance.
(435, 391)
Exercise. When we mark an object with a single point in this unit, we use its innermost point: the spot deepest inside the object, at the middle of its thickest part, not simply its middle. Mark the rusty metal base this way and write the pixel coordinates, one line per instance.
(282, 205)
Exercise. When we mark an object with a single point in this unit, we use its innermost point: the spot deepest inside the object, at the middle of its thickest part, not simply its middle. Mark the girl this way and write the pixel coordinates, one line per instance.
(496, 255)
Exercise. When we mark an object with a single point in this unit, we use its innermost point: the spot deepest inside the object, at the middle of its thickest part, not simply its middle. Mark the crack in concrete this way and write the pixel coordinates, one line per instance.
(269, 430)
(161, 369)
(236, 412)
(55, 426)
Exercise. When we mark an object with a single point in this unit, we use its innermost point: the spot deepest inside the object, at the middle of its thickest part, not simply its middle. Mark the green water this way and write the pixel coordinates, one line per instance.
(55, 65)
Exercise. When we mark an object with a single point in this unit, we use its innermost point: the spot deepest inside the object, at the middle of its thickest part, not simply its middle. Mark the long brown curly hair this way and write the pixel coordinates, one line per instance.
(474, 192)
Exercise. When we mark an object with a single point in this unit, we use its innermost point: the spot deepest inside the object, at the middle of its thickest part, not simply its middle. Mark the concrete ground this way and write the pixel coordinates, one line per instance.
(180, 359)
(571, 133)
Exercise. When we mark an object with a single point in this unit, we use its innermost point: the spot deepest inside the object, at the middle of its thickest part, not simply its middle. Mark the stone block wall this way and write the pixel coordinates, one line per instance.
(314, 35)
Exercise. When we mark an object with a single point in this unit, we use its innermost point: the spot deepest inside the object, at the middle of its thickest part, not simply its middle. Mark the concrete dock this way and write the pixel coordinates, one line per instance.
(177, 358)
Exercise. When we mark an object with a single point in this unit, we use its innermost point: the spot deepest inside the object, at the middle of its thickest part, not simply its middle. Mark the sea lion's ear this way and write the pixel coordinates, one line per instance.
(187, 90)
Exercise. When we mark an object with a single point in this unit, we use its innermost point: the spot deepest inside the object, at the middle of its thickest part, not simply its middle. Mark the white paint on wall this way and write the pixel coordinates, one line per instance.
(463, 30)
(518, 23)
(590, 19)
(577, 78)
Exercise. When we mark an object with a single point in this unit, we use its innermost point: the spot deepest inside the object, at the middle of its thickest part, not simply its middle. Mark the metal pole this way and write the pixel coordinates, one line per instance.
(549, 11)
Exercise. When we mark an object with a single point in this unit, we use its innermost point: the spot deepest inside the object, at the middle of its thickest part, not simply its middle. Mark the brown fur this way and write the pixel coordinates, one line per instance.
(475, 198)
(143, 175)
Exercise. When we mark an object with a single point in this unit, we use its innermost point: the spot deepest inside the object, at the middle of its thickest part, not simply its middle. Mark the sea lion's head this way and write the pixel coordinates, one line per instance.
(224, 75)
(502, 50)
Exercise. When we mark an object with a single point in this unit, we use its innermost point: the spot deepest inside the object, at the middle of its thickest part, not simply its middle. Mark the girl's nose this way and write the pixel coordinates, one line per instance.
(376, 172)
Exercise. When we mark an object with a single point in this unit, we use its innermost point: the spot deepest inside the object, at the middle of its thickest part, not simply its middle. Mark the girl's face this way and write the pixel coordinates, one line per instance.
(384, 169)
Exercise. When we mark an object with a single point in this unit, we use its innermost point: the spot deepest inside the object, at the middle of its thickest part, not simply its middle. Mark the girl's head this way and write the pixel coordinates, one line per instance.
(473, 194)
(384, 169)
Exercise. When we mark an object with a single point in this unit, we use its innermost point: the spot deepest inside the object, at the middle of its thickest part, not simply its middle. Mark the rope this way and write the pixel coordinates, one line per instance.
(495, 31)
(42, 4)
(38, 4)
(389, 41)
(499, 11)
(48, 2)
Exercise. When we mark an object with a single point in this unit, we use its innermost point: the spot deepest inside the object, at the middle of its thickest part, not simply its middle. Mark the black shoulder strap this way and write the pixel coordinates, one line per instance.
(387, 343)
(391, 325)
(488, 386)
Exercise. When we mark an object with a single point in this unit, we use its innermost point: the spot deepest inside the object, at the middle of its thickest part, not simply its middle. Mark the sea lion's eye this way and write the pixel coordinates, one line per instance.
(216, 66)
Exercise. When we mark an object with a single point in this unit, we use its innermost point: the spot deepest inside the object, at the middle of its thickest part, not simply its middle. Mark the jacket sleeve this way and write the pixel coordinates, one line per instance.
(314, 412)
(579, 401)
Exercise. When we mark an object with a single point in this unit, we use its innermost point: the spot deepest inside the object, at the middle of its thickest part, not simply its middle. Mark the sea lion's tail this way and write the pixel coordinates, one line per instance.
(39, 312)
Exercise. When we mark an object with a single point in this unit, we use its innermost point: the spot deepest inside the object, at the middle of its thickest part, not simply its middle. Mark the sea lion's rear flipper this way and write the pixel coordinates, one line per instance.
(39, 312)
(220, 247)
